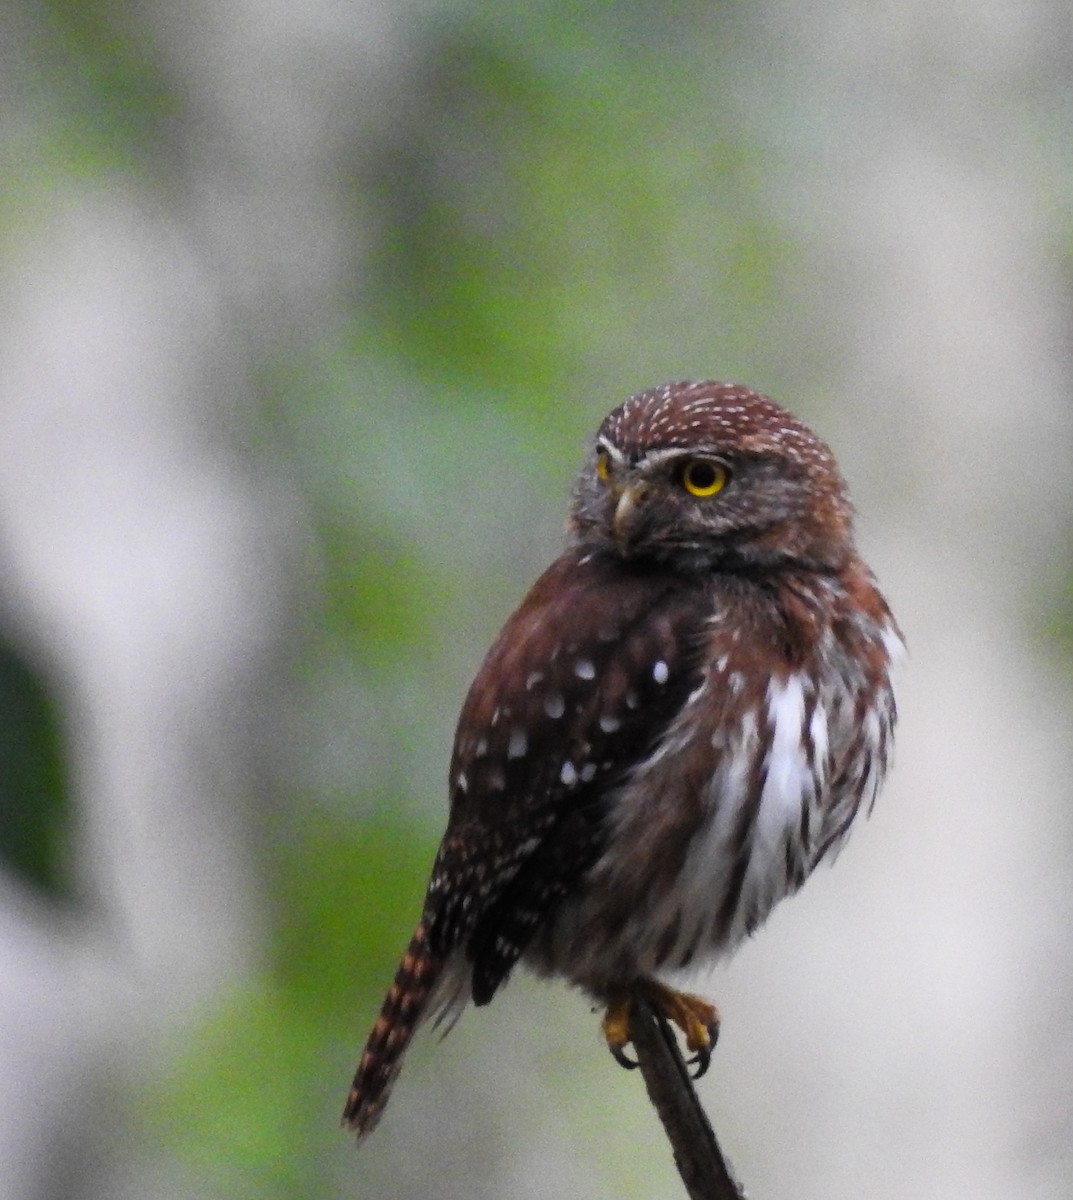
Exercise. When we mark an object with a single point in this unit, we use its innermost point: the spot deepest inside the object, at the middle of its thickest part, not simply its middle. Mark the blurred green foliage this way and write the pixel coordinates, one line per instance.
(564, 210)
(102, 83)
(555, 194)
(559, 220)
(563, 206)
(245, 1104)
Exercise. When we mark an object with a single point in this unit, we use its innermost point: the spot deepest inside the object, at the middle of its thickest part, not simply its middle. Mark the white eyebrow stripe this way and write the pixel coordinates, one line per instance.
(661, 455)
(603, 444)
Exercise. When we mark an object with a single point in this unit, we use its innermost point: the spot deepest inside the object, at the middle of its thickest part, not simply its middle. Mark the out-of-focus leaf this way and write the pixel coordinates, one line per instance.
(375, 591)
(348, 896)
(252, 1100)
(546, 209)
(102, 59)
(34, 804)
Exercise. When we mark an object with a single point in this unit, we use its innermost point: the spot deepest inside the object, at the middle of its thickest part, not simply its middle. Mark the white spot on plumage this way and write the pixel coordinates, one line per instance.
(817, 729)
(532, 679)
(554, 705)
(518, 744)
(461, 782)
(588, 772)
(584, 669)
(482, 748)
(789, 783)
(786, 766)
(609, 724)
(892, 643)
(765, 811)
(568, 774)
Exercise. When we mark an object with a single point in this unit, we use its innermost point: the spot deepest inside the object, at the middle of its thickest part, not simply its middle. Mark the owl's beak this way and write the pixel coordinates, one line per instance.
(627, 514)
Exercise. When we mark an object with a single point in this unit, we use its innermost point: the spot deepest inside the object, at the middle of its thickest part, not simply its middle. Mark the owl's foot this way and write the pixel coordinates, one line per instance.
(616, 1028)
(694, 1016)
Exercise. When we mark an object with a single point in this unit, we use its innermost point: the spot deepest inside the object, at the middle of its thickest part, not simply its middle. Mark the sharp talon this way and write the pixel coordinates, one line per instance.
(622, 1058)
(703, 1057)
(696, 1018)
(702, 1060)
(616, 1027)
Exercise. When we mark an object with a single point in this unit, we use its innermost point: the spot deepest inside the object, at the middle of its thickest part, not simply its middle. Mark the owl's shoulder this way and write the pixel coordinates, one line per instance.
(588, 617)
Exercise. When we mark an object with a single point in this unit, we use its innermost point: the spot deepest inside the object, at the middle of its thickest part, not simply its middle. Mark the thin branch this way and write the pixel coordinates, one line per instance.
(697, 1155)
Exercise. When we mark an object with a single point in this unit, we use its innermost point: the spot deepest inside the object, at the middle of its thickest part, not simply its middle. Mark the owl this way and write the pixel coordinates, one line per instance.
(682, 719)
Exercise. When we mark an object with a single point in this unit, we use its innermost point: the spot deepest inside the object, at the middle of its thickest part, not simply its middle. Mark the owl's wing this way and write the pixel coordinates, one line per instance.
(579, 686)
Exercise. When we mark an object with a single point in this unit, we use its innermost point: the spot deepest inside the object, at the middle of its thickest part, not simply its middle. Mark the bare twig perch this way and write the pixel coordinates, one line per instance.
(697, 1155)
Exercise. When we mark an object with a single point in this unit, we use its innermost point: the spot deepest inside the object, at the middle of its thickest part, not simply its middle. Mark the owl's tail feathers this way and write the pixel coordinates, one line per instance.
(403, 1010)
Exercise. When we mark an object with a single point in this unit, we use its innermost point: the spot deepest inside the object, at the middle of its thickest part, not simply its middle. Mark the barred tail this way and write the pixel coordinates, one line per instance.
(402, 1011)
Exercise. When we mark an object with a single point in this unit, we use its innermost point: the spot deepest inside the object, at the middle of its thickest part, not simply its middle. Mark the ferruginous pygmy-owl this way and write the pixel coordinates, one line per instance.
(684, 717)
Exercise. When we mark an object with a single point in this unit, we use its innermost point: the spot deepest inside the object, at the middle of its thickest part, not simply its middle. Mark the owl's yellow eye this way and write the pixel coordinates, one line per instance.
(704, 477)
(603, 465)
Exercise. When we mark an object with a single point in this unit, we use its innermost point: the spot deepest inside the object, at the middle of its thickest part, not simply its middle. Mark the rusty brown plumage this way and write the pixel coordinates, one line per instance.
(403, 1010)
(683, 717)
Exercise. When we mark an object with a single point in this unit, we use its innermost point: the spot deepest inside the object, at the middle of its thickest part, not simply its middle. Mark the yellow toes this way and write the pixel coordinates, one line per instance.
(616, 1029)
(695, 1017)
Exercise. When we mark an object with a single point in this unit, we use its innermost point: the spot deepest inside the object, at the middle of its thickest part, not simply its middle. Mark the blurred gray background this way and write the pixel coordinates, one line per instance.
(305, 314)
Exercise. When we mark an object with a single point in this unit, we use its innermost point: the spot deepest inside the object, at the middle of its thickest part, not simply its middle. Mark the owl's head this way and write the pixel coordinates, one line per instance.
(701, 475)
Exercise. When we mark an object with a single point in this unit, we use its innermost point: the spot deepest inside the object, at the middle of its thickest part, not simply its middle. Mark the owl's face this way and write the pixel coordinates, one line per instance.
(700, 475)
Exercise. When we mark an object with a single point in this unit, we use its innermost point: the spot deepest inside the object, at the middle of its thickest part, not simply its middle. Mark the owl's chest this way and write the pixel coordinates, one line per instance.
(758, 775)
(730, 805)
